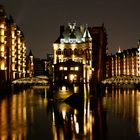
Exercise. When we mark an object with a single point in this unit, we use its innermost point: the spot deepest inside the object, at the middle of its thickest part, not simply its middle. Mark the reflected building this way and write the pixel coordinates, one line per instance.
(18, 115)
(71, 120)
(13, 119)
(123, 103)
(12, 48)
(78, 119)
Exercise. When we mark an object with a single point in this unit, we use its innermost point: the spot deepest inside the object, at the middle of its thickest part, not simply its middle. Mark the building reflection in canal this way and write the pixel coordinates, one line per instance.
(31, 115)
(73, 118)
(13, 114)
(124, 103)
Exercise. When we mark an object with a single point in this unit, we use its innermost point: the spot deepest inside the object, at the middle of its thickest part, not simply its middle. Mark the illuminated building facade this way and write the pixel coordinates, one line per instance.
(12, 49)
(73, 47)
(124, 63)
(38, 67)
(30, 65)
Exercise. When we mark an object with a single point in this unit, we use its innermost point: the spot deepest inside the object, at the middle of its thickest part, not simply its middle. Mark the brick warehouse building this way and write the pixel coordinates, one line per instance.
(125, 63)
(12, 49)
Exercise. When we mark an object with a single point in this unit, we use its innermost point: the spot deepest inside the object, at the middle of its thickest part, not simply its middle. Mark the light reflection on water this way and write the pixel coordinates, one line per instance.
(124, 104)
(30, 115)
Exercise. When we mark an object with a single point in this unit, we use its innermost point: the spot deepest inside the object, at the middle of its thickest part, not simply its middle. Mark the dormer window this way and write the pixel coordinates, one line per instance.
(72, 40)
(62, 40)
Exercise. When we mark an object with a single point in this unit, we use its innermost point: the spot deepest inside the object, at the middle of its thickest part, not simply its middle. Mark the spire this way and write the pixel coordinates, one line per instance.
(30, 53)
(119, 51)
(139, 45)
(86, 35)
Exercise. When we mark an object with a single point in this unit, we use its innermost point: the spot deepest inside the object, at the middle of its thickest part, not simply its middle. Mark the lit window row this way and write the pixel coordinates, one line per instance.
(63, 68)
(74, 68)
(71, 68)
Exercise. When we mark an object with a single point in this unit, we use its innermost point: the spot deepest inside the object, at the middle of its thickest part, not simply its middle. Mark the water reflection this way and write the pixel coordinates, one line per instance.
(125, 104)
(13, 119)
(31, 115)
(16, 113)
(75, 119)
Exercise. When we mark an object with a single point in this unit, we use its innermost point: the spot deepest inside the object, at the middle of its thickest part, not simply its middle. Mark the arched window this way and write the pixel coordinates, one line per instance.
(80, 52)
(76, 51)
(68, 52)
(87, 54)
(65, 51)
(58, 52)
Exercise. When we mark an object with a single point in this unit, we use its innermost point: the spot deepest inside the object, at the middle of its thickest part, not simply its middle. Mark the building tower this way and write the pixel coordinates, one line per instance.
(73, 52)
(31, 64)
(99, 43)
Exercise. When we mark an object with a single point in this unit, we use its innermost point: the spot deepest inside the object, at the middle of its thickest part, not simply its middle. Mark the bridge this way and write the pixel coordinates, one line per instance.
(122, 79)
(38, 80)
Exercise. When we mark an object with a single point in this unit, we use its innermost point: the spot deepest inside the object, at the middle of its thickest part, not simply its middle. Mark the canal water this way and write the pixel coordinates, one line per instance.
(30, 115)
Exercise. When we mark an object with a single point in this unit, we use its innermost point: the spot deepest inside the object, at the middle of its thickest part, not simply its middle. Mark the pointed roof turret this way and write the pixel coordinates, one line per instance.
(119, 51)
(86, 35)
(30, 53)
(139, 45)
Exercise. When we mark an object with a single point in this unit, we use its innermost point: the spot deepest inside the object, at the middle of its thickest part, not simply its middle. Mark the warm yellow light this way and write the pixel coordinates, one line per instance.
(60, 68)
(13, 53)
(66, 77)
(2, 66)
(13, 41)
(71, 68)
(76, 89)
(2, 39)
(1, 25)
(65, 68)
(77, 127)
(71, 77)
(73, 46)
(2, 32)
(2, 54)
(55, 47)
(64, 113)
(2, 48)
(13, 34)
(76, 68)
(63, 88)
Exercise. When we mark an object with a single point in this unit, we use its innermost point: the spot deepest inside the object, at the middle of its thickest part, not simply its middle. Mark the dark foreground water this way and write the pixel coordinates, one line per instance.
(30, 115)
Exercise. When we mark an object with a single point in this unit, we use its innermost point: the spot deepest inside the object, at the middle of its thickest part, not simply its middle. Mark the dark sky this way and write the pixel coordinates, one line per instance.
(40, 20)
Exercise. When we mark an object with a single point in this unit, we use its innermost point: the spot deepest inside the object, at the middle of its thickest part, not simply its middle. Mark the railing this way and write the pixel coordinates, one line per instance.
(31, 81)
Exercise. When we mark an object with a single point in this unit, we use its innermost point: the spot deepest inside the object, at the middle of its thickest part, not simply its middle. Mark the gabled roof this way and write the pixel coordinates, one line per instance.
(73, 34)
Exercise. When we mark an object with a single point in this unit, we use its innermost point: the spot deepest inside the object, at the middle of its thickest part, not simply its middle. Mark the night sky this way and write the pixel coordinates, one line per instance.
(40, 20)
